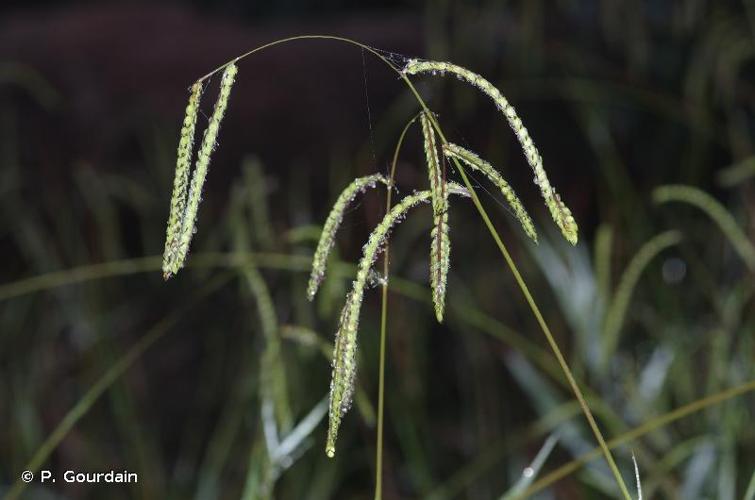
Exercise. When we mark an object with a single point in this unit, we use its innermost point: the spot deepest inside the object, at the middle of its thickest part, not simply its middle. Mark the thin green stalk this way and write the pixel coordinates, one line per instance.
(637, 432)
(517, 276)
(381, 382)
(541, 321)
(349, 41)
(552, 342)
(383, 327)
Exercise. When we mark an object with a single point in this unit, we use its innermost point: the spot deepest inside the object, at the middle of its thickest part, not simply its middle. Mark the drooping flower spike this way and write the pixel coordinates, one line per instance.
(344, 355)
(558, 209)
(332, 223)
(440, 244)
(185, 205)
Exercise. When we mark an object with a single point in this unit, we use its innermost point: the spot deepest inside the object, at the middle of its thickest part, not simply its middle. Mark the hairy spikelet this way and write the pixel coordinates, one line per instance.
(307, 337)
(440, 262)
(344, 352)
(178, 250)
(440, 245)
(477, 163)
(335, 217)
(181, 179)
(559, 211)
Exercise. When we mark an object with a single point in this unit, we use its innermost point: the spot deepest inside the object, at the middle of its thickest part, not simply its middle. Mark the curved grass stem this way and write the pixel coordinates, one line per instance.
(541, 321)
(551, 340)
(660, 421)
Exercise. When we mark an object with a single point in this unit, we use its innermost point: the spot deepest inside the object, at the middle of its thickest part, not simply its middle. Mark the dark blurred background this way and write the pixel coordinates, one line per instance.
(103, 365)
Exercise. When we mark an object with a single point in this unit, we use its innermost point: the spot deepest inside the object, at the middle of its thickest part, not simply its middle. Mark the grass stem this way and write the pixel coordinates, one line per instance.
(384, 328)
(541, 321)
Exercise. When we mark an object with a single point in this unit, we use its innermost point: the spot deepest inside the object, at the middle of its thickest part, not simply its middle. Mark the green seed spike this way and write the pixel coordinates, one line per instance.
(344, 352)
(559, 211)
(344, 359)
(332, 223)
(181, 231)
(181, 180)
(440, 246)
(477, 163)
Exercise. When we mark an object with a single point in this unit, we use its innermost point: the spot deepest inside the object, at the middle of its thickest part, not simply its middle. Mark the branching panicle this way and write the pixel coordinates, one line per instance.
(440, 246)
(559, 211)
(187, 196)
(332, 223)
(477, 163)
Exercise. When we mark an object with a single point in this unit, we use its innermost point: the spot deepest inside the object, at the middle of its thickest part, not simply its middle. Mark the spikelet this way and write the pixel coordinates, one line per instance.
(458, 190)
(559, 211)
(335, 217)
(181, 179)
(343, 376)
(477, 163)
(440, 245)
(344, 352)
(177, 255)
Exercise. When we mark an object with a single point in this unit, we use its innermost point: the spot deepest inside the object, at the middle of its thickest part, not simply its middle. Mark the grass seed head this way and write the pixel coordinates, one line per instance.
(181, 224)
(476, 163)
(344, 352)
(181, 179)
(440, 246)
(558, 210)
(332, 223)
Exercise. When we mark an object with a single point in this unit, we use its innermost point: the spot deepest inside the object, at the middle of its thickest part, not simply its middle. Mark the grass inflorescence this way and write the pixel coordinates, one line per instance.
(439, 152)
(440, 245)
(185, 204)
(558, 209)
(661, 327)
(344, 354)
(332, 223)
(474, 162)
